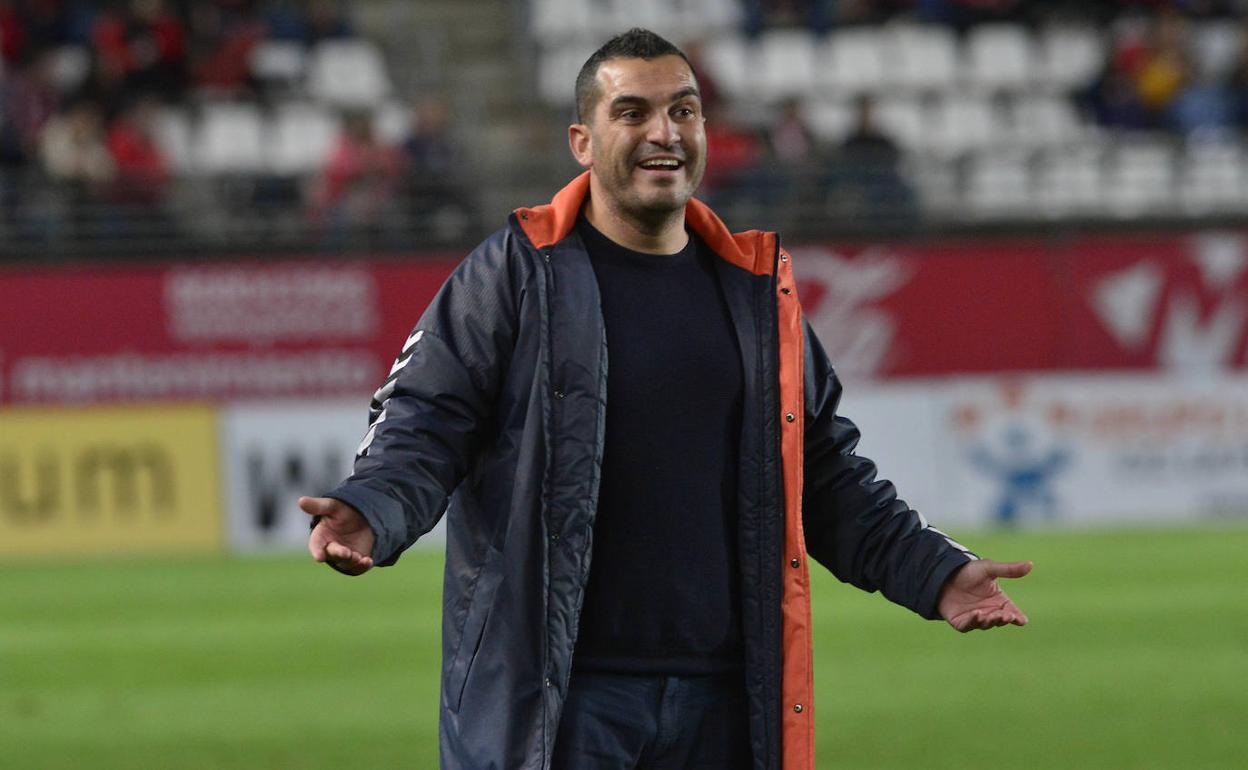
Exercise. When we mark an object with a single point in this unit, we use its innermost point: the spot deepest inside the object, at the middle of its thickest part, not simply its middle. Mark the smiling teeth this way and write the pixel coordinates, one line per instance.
(660, 163)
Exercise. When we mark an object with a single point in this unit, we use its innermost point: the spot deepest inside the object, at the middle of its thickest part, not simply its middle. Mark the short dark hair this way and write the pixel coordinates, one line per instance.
(637, 43)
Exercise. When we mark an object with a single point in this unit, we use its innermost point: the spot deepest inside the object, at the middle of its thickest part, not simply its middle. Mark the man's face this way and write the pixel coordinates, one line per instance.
(645, 140)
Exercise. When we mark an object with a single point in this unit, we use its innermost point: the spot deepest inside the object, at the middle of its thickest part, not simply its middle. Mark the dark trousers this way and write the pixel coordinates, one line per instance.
(634, 722)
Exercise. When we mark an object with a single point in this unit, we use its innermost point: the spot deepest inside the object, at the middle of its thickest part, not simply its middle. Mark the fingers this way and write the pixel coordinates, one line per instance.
(346, 560)
(1015, 569)
(318, 506)
(983, 618)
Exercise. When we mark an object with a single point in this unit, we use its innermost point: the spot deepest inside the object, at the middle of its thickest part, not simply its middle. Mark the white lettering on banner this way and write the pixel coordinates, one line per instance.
(856, 335)
(133, 376)
(264, 305)
(1133, 301)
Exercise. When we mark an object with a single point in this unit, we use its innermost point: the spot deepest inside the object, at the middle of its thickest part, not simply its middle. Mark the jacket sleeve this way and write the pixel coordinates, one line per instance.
(854, 523)
(429, 417)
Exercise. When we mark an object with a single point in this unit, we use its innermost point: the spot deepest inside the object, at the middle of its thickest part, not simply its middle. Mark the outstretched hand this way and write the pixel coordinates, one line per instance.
(342, 537)
(971, 598)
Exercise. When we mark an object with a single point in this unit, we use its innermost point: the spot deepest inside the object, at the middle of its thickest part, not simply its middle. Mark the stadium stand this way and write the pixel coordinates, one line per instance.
(1004, 113)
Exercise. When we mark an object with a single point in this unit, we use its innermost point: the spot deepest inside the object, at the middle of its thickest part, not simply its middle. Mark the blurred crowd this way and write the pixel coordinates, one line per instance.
(82, 90)
(1152, 81)
(822, 16)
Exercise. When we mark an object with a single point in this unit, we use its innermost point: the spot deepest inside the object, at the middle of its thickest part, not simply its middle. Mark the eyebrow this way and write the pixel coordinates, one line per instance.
(683, 93)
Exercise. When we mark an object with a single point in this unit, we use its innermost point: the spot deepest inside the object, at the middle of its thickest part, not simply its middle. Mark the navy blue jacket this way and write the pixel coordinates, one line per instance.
(497, 403)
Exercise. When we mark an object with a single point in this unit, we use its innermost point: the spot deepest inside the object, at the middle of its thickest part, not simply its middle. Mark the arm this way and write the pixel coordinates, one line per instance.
(429, 417)
(854, 523)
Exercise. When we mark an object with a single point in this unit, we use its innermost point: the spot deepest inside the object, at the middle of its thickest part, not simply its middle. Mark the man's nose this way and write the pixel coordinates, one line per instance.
(662, 130)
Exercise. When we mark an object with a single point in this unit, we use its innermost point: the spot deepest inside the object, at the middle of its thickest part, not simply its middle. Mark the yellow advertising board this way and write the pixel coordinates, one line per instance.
(108, 480)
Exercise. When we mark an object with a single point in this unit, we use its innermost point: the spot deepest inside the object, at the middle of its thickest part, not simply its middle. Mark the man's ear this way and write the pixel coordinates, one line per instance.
(581, 144)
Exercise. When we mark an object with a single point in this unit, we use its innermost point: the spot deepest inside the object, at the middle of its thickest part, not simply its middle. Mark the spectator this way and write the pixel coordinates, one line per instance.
(356, 189)
(307, 22)
(142, 171)
(437, 186)
(789, 138)
(144, 45)
(1164, 69)
(13, 35)
(73, 148)
(866, 181)
(763, 14)
(28, 99)
(221, 43)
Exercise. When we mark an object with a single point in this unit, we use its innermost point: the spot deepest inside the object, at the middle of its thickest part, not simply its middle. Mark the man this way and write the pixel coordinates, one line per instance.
(642, 440)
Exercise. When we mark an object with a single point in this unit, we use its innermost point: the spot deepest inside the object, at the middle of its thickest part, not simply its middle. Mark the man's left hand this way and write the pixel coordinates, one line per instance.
(971, 598)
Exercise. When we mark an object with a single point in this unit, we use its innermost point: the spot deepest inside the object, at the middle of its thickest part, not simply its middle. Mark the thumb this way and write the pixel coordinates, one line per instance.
(1015, 569)
(318, 506)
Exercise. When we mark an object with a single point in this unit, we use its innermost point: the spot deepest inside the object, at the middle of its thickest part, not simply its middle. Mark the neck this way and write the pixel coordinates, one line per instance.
(665, 235)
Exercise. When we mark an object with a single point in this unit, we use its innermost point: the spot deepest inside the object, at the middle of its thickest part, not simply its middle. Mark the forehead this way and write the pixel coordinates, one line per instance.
(655, 79)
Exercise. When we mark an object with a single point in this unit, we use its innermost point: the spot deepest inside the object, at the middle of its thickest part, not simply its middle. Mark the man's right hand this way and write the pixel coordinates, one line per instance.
(342, 537)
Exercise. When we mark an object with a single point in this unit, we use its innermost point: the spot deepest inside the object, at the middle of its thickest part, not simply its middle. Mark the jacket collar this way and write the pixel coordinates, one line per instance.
(752, 250)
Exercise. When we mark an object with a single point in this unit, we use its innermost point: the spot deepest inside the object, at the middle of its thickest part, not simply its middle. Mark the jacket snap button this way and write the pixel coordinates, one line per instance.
(559, 394)
(790, 417)
(554, 536)
(798, 708)
(549, 683)
(524, 216)
(784, 257)
(795, 563)
(786, 290)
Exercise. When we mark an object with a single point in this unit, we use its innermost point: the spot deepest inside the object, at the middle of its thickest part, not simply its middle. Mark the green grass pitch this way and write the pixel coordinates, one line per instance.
(1137, 657)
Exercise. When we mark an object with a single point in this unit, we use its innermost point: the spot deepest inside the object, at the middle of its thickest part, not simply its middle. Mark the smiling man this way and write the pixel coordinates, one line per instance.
(641, 439)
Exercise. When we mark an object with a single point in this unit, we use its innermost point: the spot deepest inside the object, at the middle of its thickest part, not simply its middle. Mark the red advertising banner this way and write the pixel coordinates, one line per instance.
(207, 332)
(321, 328)
(1174, 303)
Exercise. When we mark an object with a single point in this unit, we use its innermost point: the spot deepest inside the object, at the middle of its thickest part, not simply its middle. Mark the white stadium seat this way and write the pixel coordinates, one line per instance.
(1070, 180)
(733, 64)
(999, 57)
(920, 57)
(172, 131)
(1140, 178)
(230, 139)
(998, 184)
(279, 63)
(1069, 56)
(554, 21)
(958, 123)
(1044, 120)
(1216, 47)
(851, 61)
(901, 117)
(830, 119)
(786, 60)
(1212, 180)
(348, 73)
(558, 66)
(300, 136)
(69, 66)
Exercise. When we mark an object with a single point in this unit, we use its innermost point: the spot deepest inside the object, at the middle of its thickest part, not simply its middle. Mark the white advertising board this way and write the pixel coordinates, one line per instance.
(273, 452)
(1061, 450)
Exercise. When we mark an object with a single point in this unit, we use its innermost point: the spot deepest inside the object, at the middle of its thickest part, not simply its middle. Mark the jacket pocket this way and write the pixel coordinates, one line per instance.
(474, 631)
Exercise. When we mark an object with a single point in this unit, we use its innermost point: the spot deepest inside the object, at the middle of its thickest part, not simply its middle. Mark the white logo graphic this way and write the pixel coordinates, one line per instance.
(856, 335)
(1131, 302)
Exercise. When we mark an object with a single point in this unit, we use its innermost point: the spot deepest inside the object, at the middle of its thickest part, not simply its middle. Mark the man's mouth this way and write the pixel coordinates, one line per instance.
(661, 164)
